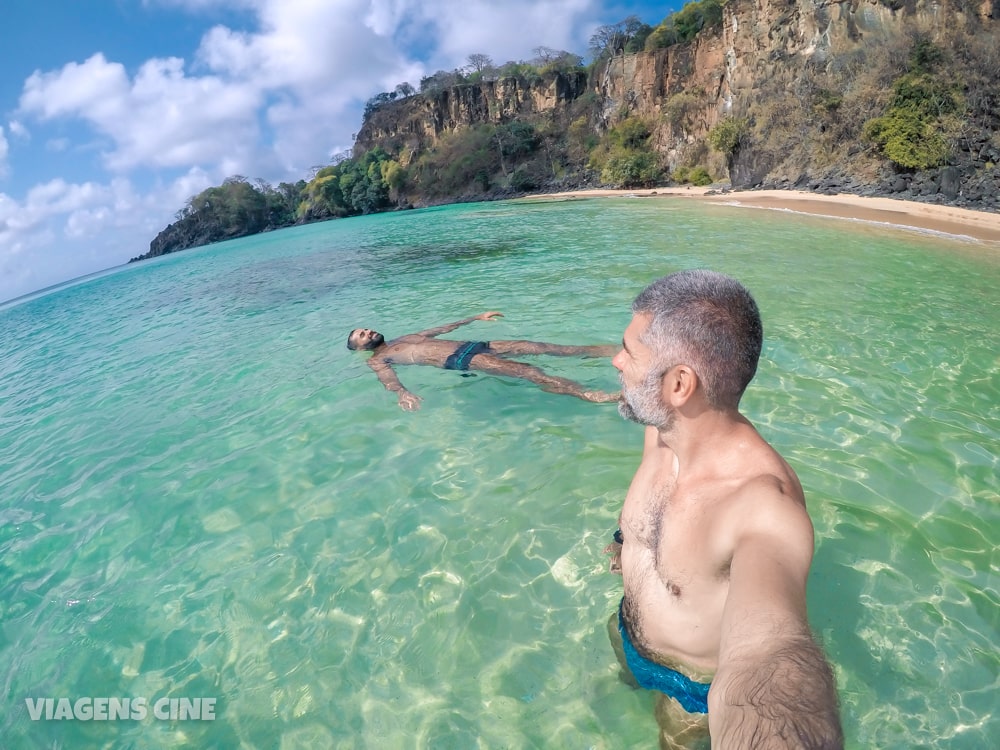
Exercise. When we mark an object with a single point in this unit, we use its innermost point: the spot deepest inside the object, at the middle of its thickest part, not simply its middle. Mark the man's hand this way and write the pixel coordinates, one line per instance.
(488, 315)
(409, 401)
(615, 563)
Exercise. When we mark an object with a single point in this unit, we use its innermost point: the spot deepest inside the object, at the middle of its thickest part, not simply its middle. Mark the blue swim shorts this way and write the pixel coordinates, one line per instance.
(693, 696)
(460, 358)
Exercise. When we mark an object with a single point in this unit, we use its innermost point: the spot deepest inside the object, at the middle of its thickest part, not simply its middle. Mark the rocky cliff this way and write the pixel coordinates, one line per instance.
(774, 62)
(419, 121)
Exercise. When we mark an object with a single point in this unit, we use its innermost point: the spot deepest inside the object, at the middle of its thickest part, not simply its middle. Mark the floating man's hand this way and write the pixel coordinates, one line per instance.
(615, 550)
(489, 315)
(409, 401)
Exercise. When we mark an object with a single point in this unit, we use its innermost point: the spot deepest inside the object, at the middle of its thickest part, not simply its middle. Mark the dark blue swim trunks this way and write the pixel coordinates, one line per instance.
(460, 358)
(693, 696)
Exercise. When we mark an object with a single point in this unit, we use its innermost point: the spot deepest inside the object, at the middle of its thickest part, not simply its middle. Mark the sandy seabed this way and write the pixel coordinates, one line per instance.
(959, 222)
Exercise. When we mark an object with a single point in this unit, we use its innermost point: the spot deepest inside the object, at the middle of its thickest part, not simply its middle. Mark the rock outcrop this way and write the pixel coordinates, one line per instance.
(419, 121)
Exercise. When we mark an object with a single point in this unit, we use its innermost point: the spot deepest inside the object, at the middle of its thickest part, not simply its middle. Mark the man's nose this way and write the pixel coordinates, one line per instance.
(617, 360)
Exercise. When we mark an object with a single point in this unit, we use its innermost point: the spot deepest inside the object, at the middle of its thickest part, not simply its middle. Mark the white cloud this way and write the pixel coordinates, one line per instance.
(270, 99)
(18, 130)
(161, 118)
(505, 31)
(62, 230)
(94, 88)
(316, 62)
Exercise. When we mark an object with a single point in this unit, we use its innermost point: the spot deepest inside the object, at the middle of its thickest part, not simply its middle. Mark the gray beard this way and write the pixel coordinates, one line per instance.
(642, 404)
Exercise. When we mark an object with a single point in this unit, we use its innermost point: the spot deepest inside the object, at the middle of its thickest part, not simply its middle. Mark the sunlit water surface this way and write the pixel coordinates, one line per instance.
(205, 494)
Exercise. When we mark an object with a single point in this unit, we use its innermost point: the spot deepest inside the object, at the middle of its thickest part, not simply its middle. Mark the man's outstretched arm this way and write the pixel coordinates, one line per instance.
(387, 377)
(774, 687)
(449, 327)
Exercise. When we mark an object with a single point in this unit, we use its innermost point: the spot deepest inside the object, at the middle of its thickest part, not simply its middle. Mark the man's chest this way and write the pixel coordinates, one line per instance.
(673, 531)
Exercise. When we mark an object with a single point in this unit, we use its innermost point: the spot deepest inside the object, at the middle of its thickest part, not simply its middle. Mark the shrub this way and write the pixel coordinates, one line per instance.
(728, 135)
(914, 131)
(631, 133)
(693, 175)
(625, 157)
(678, 108)
(580, 139)
(522, 180)
(908, 139)
(684, 25)
(631, 169)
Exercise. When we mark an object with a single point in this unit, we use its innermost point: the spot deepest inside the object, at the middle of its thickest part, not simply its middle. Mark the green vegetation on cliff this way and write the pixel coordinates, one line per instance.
(625, 157)
(686, 24)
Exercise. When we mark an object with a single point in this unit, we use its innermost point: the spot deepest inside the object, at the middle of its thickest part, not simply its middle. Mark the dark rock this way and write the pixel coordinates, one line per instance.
(951, 182)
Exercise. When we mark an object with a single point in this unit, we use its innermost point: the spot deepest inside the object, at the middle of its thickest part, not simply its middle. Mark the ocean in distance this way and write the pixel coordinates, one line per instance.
(204, 494)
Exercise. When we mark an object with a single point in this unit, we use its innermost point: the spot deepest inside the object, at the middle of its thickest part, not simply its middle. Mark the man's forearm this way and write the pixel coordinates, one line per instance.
(786, 699)
(391, 383)
(449, 327)
(386, 375)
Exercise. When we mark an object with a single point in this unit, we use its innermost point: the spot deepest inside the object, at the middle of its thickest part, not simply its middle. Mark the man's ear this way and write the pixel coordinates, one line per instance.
(678, 385)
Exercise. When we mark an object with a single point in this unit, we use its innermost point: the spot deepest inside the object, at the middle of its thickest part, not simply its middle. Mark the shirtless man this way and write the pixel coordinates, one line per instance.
(424, 348)
(715, 543)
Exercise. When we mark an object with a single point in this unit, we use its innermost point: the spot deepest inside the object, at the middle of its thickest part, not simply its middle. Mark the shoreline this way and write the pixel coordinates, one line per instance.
(983, 226)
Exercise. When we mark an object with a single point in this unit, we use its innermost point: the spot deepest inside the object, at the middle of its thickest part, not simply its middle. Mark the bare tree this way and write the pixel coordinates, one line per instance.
(547, 54)
(546, 57)
(479, 63)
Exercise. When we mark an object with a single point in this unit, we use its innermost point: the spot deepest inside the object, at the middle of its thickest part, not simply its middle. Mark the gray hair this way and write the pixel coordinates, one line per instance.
(708, 321)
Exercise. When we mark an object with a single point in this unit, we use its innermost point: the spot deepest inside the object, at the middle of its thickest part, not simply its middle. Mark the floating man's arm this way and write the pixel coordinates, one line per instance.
(449, 327)
(387, 377)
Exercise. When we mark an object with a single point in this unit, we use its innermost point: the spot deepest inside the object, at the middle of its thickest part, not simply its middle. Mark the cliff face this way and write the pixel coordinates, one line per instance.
(419, 121)
(764, 50)
(772, 40)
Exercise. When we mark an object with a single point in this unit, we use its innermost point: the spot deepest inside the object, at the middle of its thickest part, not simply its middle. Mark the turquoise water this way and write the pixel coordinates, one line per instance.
(206, 495)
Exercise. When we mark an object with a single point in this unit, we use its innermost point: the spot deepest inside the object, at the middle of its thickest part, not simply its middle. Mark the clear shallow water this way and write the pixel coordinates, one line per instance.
(204, 494)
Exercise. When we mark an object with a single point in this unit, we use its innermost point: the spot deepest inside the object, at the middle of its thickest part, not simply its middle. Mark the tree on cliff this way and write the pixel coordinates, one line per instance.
(549, 60)
(479, 65)
(626, 36)
(915, 131)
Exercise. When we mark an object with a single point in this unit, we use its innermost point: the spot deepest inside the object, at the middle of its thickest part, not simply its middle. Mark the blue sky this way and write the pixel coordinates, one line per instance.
(114, 112)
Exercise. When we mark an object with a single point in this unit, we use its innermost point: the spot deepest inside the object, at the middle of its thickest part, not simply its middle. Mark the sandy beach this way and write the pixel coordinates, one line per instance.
(960, 222)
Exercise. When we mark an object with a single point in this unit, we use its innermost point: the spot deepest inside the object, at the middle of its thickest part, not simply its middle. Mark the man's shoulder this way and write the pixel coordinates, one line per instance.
(772, 505)
(763, 495)
(766, 474)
